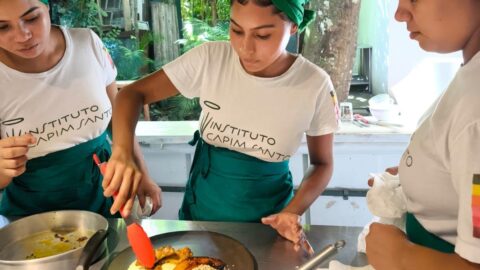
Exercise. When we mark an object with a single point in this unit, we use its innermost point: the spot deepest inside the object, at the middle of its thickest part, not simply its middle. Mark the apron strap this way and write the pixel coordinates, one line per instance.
(201, 158)
(419, 235)
(200, 165)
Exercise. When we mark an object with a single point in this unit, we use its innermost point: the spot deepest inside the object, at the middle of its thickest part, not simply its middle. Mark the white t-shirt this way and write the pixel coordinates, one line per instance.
(261, 117)
(439, 167)
(64, 106)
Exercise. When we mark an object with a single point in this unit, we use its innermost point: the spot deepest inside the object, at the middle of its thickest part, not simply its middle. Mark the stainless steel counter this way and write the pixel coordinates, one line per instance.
(271, 251)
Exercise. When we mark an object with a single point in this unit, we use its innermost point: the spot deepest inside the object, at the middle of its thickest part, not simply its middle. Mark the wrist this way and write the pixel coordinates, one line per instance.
(291, 213)
(122, 149)
(291, 210)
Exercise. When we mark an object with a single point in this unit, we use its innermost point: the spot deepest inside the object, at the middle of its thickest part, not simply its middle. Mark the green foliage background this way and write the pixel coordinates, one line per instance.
(203, 21)
(198, 28)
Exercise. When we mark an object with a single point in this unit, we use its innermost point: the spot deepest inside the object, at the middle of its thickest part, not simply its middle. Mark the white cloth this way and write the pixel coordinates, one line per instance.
(336, 265)
(386, 199)
(442, 160)
(262, 117)
(64, 106)
(386, 202)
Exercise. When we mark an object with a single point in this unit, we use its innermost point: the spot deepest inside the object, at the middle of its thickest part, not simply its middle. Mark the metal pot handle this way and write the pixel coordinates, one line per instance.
(91, 249)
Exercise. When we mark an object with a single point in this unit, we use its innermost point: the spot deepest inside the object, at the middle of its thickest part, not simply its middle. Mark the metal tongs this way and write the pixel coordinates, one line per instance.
(326, 253)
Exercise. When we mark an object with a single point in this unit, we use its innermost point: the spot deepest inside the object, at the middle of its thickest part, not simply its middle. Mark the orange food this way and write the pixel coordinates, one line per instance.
(169, 258)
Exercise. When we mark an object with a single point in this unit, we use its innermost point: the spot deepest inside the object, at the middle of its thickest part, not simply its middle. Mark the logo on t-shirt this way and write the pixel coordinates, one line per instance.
(236, 138)
(476, 205)
(54, 128)
(408, 158)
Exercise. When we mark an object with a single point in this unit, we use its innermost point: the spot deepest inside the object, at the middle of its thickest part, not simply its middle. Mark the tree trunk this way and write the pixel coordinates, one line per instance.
(331, 41)
(165, 25)
(127, 15)
(213, 6)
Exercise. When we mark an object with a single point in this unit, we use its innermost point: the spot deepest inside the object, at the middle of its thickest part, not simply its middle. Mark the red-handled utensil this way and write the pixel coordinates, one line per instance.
(141, 245)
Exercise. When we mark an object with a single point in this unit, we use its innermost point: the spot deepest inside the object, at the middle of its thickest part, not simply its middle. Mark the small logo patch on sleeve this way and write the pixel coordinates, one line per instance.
(335, 104)
(476, 205)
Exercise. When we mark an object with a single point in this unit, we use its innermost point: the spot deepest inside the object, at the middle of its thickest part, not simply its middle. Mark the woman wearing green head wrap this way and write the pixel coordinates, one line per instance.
(56, 88)
(296, 12)
(258, 102)
(292, 10)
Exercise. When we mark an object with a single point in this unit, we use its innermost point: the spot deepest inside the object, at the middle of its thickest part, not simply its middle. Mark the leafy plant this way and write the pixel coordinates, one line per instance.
(203, 20)
(209, 11)
(129, 56)
(78, 13)
(176, 108)
(196, 32)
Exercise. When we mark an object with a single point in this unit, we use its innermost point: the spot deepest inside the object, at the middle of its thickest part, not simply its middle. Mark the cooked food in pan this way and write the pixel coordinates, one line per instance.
(168, 258)
(200, 263)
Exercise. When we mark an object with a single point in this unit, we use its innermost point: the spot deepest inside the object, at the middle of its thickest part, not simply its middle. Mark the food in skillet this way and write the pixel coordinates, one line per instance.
(200, 263)
(168, 258)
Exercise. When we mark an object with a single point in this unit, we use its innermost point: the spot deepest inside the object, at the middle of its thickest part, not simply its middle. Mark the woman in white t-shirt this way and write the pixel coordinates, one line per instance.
(56, 87)
(257, 103)
(440, 170)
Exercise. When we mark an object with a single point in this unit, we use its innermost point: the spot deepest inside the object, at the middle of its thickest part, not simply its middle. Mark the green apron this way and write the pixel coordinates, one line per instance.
(226, 185)
(419, 235)
(67, 179)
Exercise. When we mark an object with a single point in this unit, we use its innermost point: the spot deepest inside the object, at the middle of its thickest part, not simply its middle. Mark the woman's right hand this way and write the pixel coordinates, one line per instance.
(289, 226)
(122, 177)
(13, 157)
(391, 170)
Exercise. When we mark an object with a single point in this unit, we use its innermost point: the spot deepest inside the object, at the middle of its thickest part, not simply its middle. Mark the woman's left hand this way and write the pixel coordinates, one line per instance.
(288, 225)
(148, 188)
(385, 246)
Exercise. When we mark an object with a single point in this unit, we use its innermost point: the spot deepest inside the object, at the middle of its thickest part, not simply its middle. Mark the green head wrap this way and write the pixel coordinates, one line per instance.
(44, 1)
(295, 11)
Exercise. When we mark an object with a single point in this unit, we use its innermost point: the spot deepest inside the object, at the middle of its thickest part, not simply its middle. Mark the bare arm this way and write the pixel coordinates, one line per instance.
(419, 257)
(317, 175)
(287, 222)
(130, 100)
(389, 249)
(126, 166)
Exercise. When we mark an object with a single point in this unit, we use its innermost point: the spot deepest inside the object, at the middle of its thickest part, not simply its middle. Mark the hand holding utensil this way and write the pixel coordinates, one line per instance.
(137, 237)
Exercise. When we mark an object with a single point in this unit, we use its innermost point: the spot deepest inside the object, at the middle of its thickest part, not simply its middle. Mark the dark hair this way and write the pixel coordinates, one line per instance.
(263, 3)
